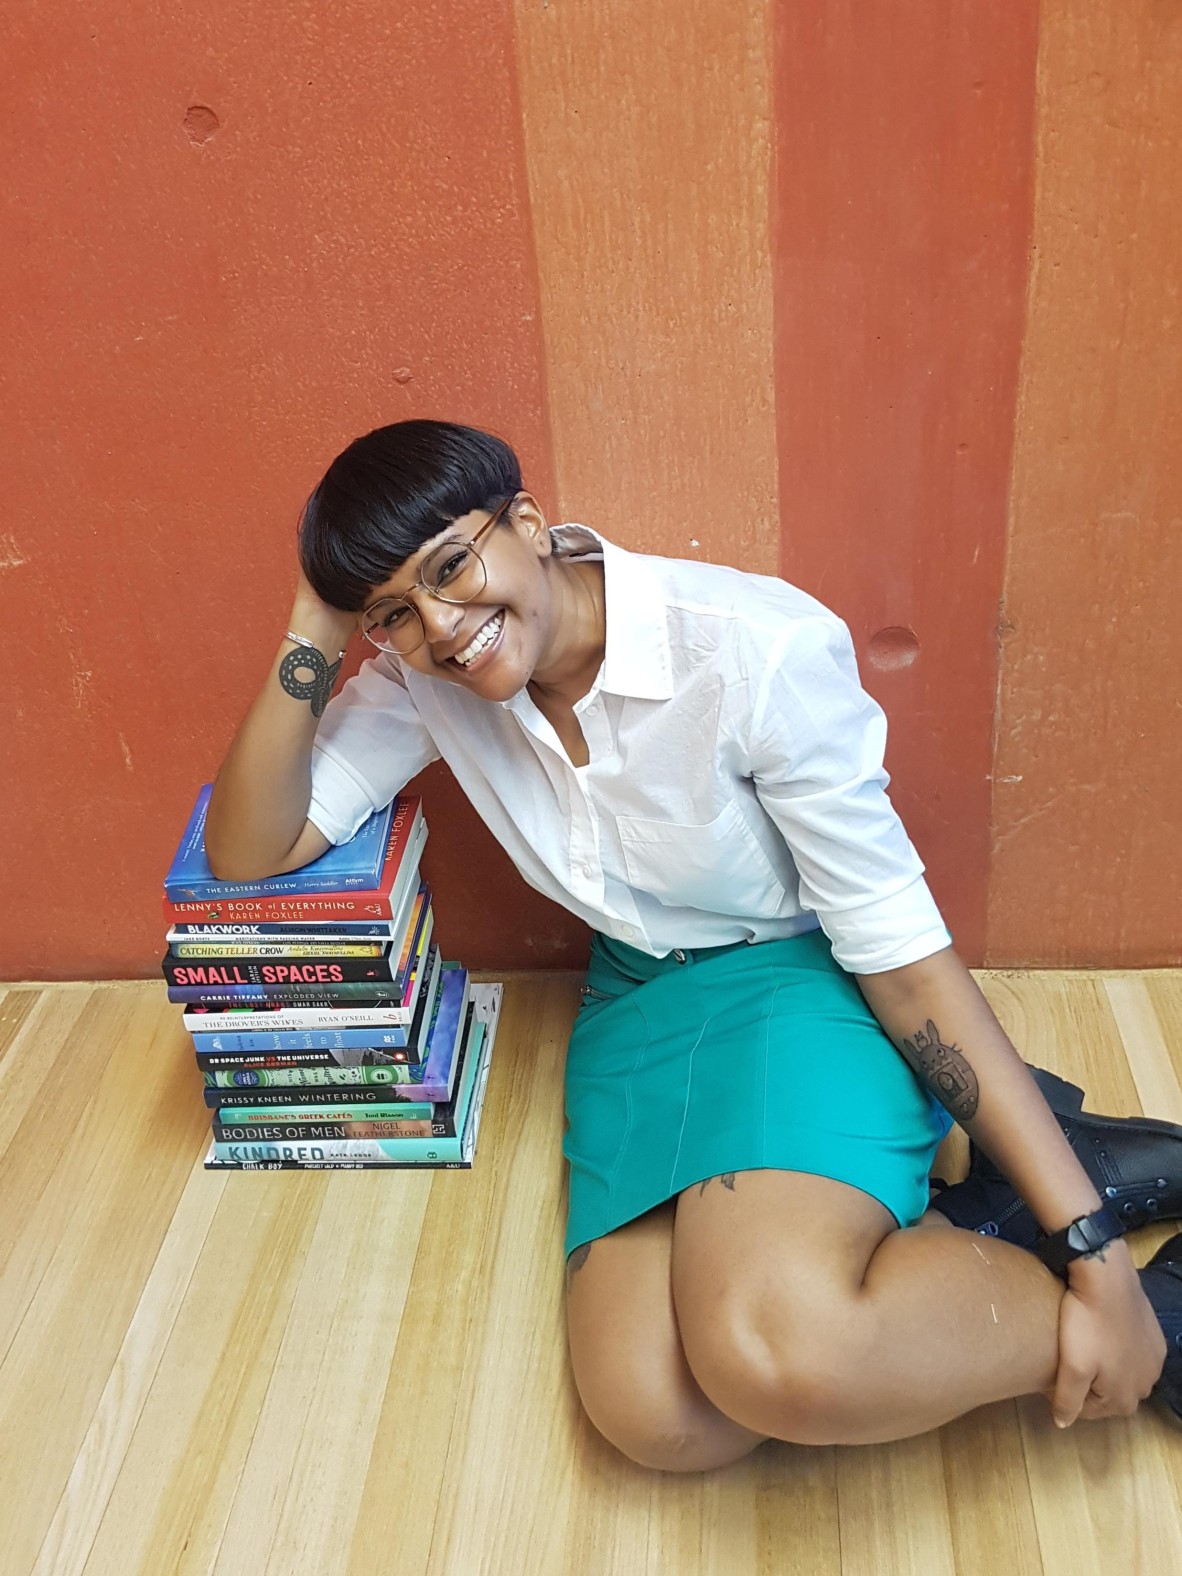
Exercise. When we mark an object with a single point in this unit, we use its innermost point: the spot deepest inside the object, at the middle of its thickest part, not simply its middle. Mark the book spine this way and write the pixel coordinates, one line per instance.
(255, 950)
(298, 1115)
(211, 1163)
(308, 1132)
(268, 974)
(368, 993)
(345, 1061)
(379, 1151)
(379, 930)
(271, 1097)
(298, 883)
(282, 1019)
(364, 858)
(312, 1040)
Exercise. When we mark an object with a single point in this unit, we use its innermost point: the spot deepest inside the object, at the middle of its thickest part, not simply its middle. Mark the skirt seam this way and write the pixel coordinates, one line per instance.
(685, 1103)
(641, 1047)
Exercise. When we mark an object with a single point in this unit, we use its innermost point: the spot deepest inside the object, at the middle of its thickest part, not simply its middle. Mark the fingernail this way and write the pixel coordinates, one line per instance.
(1060, 1422)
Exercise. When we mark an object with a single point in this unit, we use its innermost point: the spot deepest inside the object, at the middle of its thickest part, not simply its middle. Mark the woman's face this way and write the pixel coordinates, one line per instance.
(512, 616)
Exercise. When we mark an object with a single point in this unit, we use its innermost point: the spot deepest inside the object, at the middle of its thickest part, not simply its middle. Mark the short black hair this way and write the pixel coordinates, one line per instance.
(391, 491)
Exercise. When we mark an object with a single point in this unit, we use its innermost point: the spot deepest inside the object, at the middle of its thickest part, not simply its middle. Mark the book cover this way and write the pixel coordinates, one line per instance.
(345, 867)
(408, 833)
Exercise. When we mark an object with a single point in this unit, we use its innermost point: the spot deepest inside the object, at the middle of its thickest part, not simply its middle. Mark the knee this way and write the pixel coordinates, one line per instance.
(797, 1382)
(656, 1427)
(662, 1444)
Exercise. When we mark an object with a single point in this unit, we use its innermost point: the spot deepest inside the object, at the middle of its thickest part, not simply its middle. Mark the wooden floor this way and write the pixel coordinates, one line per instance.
(366, 1373)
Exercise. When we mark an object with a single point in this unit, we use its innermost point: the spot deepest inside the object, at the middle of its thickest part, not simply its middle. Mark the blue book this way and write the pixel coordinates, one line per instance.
(445, 1032)
(355, 866)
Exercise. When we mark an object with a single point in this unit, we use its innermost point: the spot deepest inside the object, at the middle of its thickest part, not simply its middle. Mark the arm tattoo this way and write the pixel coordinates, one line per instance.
(945, 1070)
(318, 688)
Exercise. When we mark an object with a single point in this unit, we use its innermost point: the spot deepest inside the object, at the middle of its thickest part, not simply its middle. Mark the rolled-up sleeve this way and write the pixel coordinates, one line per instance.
(817, 747)
(371, 741)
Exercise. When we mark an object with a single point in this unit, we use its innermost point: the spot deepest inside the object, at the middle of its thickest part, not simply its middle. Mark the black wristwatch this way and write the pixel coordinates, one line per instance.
(1085, 1235)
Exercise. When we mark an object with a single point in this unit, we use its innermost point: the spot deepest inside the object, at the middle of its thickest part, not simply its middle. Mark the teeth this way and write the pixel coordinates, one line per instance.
(483, 638)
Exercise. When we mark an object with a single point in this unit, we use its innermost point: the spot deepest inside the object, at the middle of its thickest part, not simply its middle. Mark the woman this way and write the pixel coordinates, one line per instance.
(682, 755)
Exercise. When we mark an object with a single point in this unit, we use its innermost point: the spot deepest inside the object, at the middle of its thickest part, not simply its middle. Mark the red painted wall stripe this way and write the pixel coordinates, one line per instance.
(901, 211)
(235, 239)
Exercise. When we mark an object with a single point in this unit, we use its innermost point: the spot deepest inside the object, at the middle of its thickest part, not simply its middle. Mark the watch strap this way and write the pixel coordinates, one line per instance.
(1085, 1235)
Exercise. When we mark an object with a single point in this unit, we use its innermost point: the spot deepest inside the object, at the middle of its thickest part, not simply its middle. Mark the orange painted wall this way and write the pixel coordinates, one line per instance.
(198, 323)
(903, 149)
(1086, 860)
(889, 305)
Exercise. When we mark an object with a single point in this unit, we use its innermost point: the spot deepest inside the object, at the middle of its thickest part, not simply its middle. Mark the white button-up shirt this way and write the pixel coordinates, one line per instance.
(735, 789)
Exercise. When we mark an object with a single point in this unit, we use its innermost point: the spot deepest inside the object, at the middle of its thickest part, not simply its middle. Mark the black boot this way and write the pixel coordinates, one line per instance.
(1162, 1282)
(1134, 1163)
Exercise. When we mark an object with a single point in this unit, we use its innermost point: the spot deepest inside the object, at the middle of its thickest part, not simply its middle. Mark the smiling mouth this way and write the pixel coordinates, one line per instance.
(480, 642)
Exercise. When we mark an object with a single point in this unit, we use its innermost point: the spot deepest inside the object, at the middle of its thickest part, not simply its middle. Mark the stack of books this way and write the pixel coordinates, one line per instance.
(328, 1030)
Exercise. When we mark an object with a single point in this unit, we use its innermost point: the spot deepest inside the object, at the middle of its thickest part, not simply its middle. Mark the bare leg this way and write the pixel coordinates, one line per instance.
(626, 1353)
(807, 1315)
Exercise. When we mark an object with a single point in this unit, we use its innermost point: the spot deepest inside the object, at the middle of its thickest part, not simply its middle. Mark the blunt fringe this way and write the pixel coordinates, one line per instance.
(391, 491)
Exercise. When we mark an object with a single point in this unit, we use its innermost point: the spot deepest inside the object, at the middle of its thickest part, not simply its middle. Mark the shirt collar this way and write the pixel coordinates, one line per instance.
(636, 657)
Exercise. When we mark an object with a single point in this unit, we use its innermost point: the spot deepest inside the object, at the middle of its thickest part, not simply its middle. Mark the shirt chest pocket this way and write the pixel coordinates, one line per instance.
(719, 867)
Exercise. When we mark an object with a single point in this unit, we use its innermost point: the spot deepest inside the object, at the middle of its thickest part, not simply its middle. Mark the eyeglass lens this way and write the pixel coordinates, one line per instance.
(454, 572)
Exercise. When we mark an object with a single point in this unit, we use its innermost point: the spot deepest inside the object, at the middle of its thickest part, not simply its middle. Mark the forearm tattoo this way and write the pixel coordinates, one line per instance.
(318, 688)
(945, 1070)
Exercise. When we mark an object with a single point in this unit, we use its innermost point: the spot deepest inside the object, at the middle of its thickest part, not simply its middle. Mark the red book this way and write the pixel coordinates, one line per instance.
(408, 833)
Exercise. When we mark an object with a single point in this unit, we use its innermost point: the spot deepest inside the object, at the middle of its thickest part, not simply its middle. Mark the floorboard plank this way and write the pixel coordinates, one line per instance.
(241, 1374)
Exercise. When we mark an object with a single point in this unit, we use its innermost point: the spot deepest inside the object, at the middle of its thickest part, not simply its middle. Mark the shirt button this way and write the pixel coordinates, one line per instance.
(587, 871)
(627, 930)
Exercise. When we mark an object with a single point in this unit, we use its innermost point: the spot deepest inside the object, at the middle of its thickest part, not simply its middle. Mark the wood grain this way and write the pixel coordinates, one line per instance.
(354, 1372)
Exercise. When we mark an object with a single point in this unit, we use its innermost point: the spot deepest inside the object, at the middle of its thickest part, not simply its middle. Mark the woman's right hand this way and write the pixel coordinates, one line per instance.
(330, 627)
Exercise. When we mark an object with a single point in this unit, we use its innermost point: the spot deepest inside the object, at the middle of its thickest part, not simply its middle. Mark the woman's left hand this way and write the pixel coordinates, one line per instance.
(1111, 1348)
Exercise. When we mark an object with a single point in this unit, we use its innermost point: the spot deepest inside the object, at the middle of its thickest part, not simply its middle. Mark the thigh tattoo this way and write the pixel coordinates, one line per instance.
(727, 1179)
(318, 688)
(576, 1261)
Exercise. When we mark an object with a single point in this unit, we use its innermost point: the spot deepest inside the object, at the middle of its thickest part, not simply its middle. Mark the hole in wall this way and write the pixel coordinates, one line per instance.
(200, 124)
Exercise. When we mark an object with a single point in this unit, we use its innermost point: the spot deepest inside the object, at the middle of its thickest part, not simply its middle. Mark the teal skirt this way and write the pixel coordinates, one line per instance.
(735, 1059)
